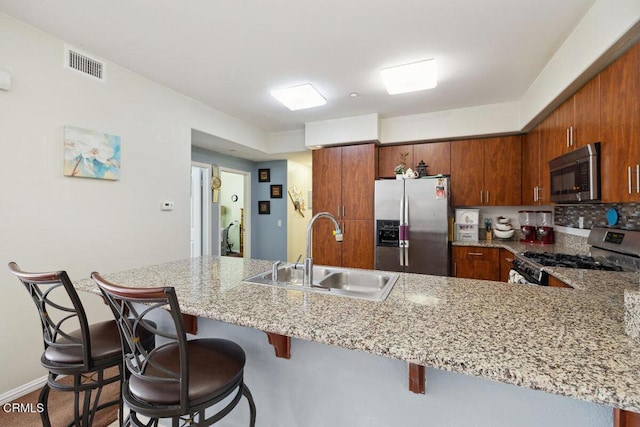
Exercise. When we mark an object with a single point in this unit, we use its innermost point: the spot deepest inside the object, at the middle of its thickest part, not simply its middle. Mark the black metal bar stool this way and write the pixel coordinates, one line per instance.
(72, 346)
(178, 379)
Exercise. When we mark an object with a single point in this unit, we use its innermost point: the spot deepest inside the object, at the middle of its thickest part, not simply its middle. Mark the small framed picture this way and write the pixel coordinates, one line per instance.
(276, 191)
(264, 175)
(264, 207)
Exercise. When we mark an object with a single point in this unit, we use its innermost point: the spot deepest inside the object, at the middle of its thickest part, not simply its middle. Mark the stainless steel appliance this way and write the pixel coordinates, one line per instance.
(610, 249)
(575, 176)
(412, 221)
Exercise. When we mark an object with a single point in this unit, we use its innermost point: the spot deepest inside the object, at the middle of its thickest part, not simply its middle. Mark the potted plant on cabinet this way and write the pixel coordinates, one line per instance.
(402, 167)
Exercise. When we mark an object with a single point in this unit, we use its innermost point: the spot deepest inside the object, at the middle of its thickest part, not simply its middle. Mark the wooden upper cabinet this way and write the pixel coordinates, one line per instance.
(486, 172)
(577, 121)
(437, 156)
(563, 126)
(620, 128)
(531, 167)
(357, 181)
(389, 158)
(548, 151)
(586, 116)
(502, 171)
(326, 180)
(467, 172)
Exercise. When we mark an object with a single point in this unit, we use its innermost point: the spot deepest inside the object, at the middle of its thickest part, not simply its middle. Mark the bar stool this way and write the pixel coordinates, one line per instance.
(73, 347)
(179, 379)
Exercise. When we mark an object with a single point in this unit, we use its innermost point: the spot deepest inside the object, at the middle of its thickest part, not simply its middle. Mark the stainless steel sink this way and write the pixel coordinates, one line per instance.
(364, 284)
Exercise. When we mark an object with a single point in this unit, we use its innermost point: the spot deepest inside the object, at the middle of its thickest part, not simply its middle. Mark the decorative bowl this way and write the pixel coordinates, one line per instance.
(503, 234)
(502, 227)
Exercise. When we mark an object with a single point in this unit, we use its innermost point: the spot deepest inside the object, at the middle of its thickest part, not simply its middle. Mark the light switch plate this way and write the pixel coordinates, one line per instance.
(167, 205)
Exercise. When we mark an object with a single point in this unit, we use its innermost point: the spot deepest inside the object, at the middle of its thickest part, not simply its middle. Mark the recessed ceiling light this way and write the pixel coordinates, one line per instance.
(353, 94)
(410, 77)
(299, 97)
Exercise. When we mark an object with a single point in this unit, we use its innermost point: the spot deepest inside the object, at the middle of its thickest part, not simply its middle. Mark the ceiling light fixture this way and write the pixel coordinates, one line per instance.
(299, 97)
(410, 77)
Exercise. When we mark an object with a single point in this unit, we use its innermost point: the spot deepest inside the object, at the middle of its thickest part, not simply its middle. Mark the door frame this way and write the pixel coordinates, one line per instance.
(247, 209)
(205, 208)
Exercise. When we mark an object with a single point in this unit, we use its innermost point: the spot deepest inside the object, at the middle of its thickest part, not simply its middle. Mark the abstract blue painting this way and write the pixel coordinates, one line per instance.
(91, 154)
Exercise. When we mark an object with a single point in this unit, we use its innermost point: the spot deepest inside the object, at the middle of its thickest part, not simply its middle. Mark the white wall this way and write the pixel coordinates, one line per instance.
(52, 222)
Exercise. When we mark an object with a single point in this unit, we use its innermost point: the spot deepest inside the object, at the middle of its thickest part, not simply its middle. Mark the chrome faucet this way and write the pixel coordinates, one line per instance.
(307, 277)
(274, 271)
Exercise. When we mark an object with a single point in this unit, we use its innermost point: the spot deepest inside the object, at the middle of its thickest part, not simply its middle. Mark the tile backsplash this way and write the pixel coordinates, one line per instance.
(596, 214)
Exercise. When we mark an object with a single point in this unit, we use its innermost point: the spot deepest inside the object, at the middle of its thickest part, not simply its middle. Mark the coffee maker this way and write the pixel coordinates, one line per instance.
(544, 230)
(527, 220)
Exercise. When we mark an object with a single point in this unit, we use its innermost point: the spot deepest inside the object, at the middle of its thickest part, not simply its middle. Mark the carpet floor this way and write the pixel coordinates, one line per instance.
(60, 409)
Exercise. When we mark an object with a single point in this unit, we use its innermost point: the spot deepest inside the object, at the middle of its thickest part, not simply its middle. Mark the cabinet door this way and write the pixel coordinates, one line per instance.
(506, 264)
(436, 155)
(358, 181)
(389, 158)
(502, 171)
(325, 250)
(563, 121)
(476, 269)
(473, 262)
(547, 152)
(358, 245)
(467, 172)
(326, 184)
(620, 127)
(531, 167)
(586, 122)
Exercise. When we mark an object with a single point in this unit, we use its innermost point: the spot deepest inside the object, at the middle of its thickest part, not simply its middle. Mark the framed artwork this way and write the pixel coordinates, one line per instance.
(264, 207)
(91, 154)
(276, 191)
(264, 175)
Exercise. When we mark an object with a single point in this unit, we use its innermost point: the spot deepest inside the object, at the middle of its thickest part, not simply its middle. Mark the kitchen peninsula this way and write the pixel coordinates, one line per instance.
(559, 341)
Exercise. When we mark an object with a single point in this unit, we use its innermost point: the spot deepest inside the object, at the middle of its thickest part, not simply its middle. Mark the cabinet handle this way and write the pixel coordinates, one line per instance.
(535, 193)
(487, 196)
(343, 212)
(571, 135)
(475, 253)
(480, 196)
(629, 178)
(338, 212)
(567, 137)
(638, 178)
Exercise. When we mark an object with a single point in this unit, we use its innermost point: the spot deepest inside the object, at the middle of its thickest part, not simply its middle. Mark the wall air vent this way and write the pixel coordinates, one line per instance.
(76, 60)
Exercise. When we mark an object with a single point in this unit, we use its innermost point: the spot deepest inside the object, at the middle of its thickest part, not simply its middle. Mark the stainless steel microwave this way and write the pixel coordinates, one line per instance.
(575, 176)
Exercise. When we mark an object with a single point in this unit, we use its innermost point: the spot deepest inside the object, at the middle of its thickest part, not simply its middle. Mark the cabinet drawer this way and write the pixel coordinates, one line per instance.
(475, 253)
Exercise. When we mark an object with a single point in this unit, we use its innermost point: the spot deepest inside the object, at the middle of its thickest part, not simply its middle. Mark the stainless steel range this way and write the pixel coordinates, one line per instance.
(610, 249)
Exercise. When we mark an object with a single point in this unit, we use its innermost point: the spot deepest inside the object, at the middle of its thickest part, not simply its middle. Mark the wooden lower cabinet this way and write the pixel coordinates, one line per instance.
(474, 262)
(356, 249)
(506, 263)
(557, 283)
(622, 418)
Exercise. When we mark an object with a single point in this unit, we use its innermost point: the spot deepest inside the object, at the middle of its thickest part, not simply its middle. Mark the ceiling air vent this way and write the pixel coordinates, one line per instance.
(83, 63)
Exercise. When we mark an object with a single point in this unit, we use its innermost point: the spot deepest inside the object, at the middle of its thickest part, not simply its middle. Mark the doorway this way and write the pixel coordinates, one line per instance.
(200, 209)
(234, 215)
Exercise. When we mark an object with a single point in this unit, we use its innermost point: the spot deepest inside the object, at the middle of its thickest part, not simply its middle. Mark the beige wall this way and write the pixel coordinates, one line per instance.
(299, 175)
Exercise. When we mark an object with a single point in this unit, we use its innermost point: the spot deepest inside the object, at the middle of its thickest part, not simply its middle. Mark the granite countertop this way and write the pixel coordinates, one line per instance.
(563, 341)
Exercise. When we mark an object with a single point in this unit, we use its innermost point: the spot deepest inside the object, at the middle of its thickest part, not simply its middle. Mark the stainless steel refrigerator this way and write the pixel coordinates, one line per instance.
(412, 222)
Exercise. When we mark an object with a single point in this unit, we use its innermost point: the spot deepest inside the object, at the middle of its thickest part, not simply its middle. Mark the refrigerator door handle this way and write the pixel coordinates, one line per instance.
(406, 256)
